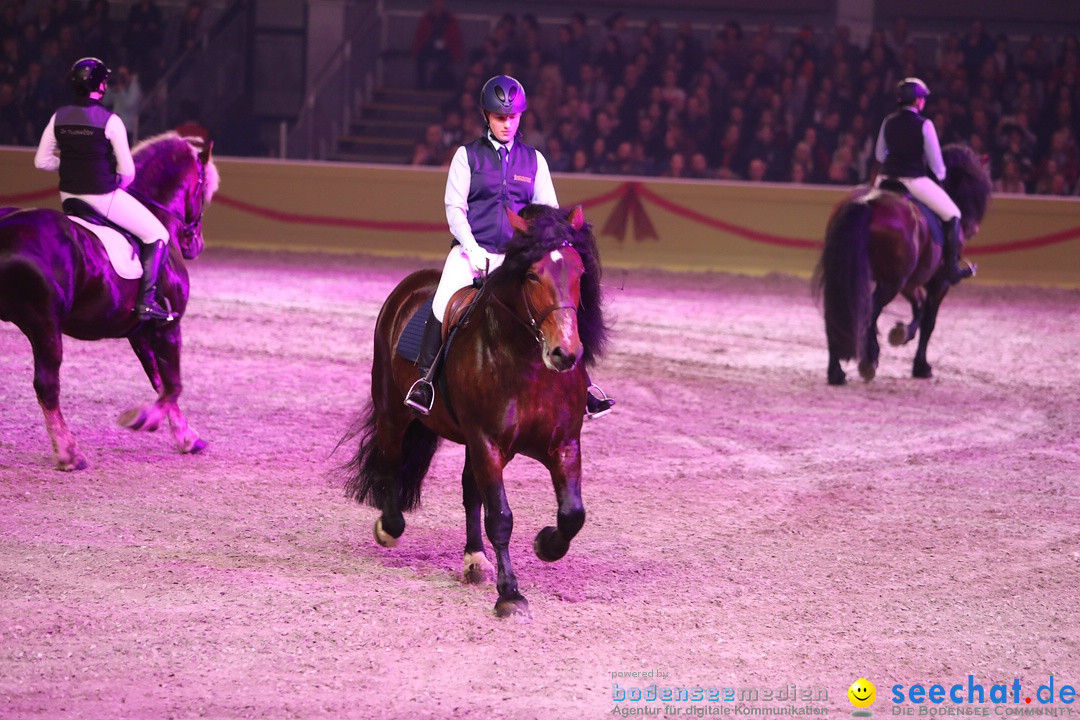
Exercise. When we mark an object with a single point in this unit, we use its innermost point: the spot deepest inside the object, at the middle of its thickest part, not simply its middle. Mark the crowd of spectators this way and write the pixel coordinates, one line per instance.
(751, 106)
(40, 45)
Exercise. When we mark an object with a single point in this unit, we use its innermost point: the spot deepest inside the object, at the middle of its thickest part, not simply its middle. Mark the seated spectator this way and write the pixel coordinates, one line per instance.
(757, 170)
(676, 167)
(429, 150)
(1011, 179)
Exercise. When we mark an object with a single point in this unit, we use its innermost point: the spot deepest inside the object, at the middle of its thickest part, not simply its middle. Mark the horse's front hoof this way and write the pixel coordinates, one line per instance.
(867, 371)
(138, 418)
(838, 377)
(196, 447)
(922, 371)
(549, 545)
(382, 537)
(513, 607)
(76, 462)
(132, 419)
(898, 335)
(478, 569)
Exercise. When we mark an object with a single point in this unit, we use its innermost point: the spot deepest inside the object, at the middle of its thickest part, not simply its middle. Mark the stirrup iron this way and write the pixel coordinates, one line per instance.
(415, 388)
(603, 402)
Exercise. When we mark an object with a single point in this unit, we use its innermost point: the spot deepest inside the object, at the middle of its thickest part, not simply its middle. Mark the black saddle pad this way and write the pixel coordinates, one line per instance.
(933, 222)
(408, 345)
(82, 209)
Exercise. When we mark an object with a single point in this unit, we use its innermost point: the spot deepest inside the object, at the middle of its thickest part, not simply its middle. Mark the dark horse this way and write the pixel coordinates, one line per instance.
(56, 279)
(514, 383)
(880, 238)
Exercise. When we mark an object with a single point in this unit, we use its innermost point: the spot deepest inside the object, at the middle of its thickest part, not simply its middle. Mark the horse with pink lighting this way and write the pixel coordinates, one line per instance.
(56, 279)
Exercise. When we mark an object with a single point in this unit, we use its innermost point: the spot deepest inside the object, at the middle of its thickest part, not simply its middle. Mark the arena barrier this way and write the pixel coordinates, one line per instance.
(640, 222)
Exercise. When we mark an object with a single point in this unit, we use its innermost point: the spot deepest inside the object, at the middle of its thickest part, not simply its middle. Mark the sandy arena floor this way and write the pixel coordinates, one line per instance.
(748, 526)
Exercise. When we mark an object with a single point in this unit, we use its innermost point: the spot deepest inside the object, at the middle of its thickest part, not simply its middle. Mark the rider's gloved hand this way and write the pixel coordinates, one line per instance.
(479, 258)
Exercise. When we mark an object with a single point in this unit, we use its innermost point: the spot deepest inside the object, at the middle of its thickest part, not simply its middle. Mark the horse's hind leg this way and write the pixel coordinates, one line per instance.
(552, 543)
(883, 295)
(920, 367)
(48, 350)
(478, 569)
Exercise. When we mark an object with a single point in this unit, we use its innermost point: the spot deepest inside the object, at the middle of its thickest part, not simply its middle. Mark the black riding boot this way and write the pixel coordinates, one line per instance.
(422, 393)
(151, 255)
(599, 404)
(951, 250)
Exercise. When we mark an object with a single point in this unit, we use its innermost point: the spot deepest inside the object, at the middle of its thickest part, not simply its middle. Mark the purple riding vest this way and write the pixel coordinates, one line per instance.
(87, 163)
(496, 186)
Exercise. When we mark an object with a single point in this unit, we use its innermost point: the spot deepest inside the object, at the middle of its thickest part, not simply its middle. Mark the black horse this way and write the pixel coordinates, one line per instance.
(879, 244)
(56, 279)
(515, 383)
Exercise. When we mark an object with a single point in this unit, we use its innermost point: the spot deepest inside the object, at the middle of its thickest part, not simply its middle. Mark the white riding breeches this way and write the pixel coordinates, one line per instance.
(928, 192)
(127, 212)
(457, 273)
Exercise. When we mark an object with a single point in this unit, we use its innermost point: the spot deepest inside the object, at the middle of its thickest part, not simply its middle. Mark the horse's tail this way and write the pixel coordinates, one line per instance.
(371, 472)
(842, 277)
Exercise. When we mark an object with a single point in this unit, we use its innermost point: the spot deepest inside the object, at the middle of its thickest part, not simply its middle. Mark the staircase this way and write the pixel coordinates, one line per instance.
(390, 125)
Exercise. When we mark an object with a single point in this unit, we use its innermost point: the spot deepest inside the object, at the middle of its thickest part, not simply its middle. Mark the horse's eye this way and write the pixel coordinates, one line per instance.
(532, 277)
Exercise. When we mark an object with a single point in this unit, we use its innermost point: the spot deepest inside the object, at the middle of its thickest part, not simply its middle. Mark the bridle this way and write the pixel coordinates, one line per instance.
(188, 226)
(535, 318)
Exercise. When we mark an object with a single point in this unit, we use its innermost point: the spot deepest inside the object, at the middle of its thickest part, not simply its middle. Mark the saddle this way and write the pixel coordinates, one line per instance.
(933, 223)
(120, 244)
(457, 310)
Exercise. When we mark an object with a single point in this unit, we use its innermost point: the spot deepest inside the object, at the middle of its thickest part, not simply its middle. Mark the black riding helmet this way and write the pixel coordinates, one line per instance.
(909, 90)
(502, 94)
(87, 75)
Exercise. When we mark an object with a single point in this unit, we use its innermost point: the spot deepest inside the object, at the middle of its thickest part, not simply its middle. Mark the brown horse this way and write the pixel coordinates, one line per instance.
(514, 383)
(56, 279)
(878, 244)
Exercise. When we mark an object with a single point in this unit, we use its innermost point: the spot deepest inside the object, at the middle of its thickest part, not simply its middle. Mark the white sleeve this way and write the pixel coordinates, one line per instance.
(48, 153)
(879, 148)
(543, 188)
(456, 198)
(932, 150)
(116, 133)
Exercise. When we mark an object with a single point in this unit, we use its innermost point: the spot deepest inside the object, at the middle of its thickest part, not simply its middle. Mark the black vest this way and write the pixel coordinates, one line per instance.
(87, 163)
(904, 154)
(496, 186)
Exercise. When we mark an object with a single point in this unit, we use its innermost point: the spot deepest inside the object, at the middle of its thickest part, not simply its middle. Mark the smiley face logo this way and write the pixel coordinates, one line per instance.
(862, 693)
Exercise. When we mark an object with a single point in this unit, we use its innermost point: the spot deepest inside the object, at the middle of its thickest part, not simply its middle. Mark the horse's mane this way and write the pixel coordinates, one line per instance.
(156, 159)
(550, 230)
(967, 181)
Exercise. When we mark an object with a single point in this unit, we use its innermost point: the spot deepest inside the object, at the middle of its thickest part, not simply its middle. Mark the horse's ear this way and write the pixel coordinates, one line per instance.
(517, 222)
(204, 154)
(577, 218)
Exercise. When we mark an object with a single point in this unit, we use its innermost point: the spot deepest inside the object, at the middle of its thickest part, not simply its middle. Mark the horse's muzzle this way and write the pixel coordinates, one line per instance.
(560, 358)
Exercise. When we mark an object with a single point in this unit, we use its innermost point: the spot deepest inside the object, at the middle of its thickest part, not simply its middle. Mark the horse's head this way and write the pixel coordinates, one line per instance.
(176, 180)
(968, 184)
(554, 259)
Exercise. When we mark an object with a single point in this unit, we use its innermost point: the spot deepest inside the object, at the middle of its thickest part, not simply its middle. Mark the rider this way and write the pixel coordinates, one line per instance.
(907, 146)
(88, 145)
(488, 175)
